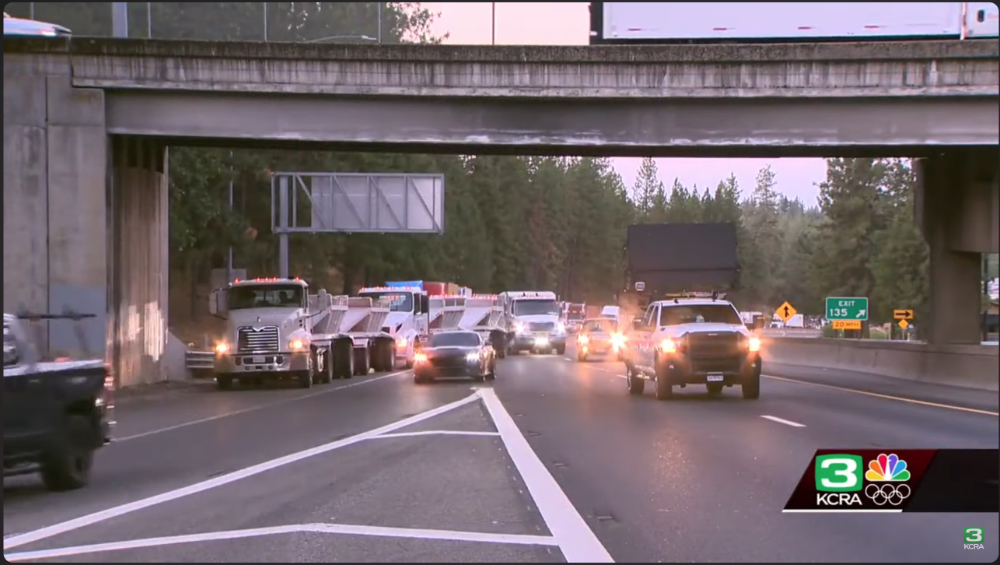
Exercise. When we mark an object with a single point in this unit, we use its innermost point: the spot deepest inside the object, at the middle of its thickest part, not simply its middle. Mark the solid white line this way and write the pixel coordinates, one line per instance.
(378, 531)
(843, 511)
(886, 396)
(255, 408)
(101, 516)
(783, 421)
(575, 538)
(433, 433)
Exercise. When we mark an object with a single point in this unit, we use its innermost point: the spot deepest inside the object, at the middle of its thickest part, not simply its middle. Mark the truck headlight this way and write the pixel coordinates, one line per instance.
(297, 345)
(560, 328)
(753, 344)
(401, 343)
(617, 340)
(222, 348)
(668, 345)
(520, 328)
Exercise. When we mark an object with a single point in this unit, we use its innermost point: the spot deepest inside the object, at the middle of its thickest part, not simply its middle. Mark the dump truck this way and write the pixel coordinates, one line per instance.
(483, 314)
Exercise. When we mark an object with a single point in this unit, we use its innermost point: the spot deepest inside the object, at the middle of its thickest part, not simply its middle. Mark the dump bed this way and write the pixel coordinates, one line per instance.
(661, 258)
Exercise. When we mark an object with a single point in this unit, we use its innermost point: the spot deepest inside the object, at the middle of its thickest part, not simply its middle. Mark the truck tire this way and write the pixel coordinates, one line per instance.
(751, 387)
(223, 383)
(362, 361)
(328, 372)
(387, 355)
(664, 390)
(343, 359)
(67, 466)
(305, 379)
(499, 346)
(636, 384)
(561, 350)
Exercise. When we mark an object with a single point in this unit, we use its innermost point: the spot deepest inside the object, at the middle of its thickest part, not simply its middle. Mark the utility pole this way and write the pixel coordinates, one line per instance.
(493, 23)
(379, 34)
(265, 21)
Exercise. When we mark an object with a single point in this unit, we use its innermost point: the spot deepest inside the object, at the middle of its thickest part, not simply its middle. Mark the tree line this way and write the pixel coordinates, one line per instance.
(514, 222)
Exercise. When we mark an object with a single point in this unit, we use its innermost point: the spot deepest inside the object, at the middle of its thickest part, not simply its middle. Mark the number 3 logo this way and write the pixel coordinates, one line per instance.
(973, 535)
(845, 469)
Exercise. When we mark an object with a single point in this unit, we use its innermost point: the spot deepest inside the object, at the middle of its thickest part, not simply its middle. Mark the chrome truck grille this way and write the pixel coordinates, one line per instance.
(541, 326)
(257, 340)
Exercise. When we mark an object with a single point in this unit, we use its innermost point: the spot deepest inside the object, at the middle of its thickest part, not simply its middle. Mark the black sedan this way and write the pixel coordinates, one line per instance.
(455, 354)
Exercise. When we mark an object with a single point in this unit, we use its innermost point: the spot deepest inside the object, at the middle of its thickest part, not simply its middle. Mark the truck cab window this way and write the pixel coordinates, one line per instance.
(699, 314)
(266, 296)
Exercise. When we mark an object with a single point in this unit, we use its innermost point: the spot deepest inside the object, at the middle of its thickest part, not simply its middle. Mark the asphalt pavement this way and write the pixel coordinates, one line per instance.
(551, 462)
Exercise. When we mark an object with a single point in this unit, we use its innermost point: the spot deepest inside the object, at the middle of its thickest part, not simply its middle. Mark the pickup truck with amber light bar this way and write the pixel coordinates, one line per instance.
(56, 413)
(276, 330)
(687, 337)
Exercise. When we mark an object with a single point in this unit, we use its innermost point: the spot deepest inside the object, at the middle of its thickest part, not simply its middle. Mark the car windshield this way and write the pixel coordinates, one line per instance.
(455, 339)
(398, 301)
(535, 307)
(266, 296)
(699, 314)
(597, 326)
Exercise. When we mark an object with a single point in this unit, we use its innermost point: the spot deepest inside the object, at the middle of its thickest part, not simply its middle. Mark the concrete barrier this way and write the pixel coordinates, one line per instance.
(967, 366)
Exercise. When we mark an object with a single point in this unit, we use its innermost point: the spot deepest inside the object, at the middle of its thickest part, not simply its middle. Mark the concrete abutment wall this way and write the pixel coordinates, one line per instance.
(85, 220)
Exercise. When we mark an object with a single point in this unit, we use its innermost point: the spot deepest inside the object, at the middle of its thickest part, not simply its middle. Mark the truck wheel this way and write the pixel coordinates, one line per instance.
(362, 361)
(751, 387)
(68, 465)
(636, 384)
(328, 372)
(223, 383)
(343, 359)
(388, 356)
(664, 390)
(561, 350)
(305, 379)
(714, 389)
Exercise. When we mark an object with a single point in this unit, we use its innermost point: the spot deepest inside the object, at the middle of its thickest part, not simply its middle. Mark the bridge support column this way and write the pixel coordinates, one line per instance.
(139, 252)
(54, 213)
(957, 211)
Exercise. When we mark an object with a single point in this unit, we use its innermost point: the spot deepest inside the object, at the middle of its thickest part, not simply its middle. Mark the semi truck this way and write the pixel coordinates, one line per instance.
(781, 22)
(531, 322)
(409, 317)
(275, 329)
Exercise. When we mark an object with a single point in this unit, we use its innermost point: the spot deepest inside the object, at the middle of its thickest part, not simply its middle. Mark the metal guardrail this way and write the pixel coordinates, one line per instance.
(199, 363)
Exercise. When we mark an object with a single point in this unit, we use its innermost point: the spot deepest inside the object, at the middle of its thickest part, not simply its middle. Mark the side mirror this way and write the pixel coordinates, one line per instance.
(425, 304)
(218, 304)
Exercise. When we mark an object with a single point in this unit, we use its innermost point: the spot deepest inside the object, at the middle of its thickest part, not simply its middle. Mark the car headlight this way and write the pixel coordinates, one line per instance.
(668, 345)
(297, 345)
(583, 339)
(222, 348)
(472, 357)
(618, 340)
(419, 357)
(753, 344)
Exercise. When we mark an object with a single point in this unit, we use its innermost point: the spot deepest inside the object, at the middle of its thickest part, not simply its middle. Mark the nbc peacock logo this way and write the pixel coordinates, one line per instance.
(887, 478)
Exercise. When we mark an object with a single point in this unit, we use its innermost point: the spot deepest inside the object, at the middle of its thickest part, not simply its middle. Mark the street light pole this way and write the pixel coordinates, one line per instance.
(379, 34)
(493, 23)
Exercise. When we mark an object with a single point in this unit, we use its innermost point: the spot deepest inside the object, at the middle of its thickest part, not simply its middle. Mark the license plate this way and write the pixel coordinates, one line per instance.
(257, 360)
(715, 377)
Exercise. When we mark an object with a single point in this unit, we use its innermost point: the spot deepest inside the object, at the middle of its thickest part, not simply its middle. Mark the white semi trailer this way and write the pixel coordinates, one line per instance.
(774, 22)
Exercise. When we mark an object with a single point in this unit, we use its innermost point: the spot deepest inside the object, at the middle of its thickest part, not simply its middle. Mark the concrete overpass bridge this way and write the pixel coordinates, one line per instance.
(87, 123)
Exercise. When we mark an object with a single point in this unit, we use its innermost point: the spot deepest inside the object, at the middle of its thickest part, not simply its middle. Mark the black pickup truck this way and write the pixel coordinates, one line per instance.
(56, 414)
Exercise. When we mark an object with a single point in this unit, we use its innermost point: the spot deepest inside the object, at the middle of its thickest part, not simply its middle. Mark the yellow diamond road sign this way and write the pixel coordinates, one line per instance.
(903, 324)
(786, 311)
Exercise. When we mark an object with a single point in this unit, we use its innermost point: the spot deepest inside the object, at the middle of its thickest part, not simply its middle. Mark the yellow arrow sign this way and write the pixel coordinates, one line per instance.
(786, 311)
(903, 314)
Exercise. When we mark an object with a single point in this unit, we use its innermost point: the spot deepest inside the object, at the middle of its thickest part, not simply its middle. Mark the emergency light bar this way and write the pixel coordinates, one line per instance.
(266, 279)
(714, 295)
(391, 289)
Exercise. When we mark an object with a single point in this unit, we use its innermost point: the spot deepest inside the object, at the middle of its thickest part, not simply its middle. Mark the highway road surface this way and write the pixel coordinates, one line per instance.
(552, 462)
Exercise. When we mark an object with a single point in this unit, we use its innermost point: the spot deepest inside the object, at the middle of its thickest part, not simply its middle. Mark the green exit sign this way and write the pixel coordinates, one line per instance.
(846, 308)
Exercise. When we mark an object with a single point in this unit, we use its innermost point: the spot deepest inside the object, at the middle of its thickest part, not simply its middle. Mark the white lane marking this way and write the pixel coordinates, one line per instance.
(434, 433)
(886, 396)
(103, 515)
(378, 531)
(575, 538)
(255, 408)
(783, 421)
(842, 511)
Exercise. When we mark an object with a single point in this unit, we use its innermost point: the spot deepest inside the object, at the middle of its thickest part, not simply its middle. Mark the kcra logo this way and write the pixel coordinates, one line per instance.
(840, 481)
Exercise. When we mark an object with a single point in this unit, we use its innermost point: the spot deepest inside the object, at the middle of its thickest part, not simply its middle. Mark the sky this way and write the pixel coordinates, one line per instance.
(556, 23)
